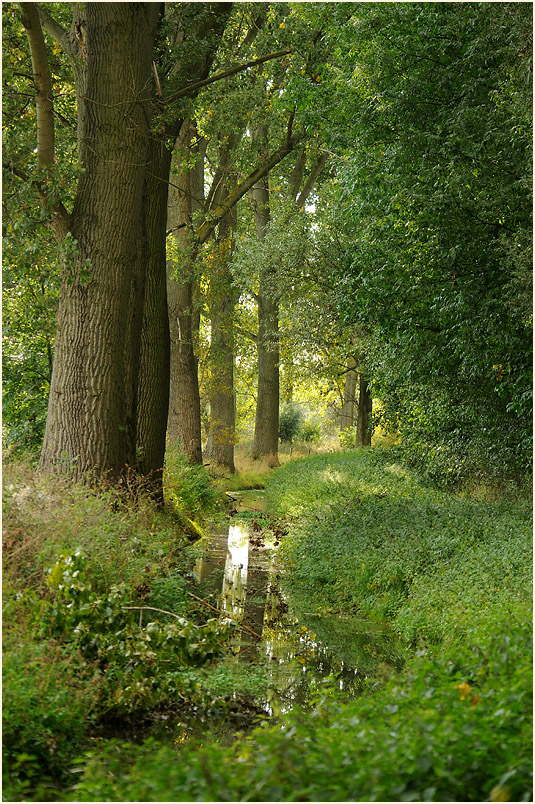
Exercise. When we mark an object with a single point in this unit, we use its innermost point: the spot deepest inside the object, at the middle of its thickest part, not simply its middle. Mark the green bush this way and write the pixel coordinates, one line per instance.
(310, 431)
(188, 487)
(142, 664)
(433, 734)
(49, 698)
(74, 652)
(452, 576)
(347, 438)
(169, 592)
(290, 419)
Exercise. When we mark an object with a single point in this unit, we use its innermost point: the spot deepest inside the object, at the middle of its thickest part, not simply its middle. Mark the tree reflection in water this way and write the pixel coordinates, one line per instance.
(297, 648)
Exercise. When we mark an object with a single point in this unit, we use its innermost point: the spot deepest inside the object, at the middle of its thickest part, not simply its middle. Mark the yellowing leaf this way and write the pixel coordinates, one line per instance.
(500, 793)
(464, 690)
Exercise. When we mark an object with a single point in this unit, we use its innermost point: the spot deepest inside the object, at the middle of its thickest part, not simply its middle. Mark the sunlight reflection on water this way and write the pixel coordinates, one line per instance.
(238, 565)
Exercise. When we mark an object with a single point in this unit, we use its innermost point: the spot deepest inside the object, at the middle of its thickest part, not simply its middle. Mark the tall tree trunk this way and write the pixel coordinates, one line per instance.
(185, 197)
(347, 413)
(222, 300)
(220, 448)
(364, 413)
(87, 426)
(266, 433)
(153, 386)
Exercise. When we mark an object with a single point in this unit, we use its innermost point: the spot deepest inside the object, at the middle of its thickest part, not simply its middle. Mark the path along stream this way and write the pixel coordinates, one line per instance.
(239, 568)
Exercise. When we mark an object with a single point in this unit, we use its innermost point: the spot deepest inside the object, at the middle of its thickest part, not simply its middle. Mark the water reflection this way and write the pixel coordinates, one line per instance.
(296, 648)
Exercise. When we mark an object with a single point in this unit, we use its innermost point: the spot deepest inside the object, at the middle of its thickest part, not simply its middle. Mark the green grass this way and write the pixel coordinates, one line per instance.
(453, 576)
(370, 539)
(450, 574)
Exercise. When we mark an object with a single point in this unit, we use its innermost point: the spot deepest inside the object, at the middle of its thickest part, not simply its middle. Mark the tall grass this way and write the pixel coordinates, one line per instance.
(53, 692)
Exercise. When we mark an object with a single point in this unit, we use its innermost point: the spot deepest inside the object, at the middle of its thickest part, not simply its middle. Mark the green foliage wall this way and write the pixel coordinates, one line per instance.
(435, 202)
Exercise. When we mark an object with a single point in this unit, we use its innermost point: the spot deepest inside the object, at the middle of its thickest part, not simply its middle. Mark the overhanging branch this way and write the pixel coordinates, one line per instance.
(182, 93)
(59, 218)
(58, 33)
(219, 212)
(43, 84)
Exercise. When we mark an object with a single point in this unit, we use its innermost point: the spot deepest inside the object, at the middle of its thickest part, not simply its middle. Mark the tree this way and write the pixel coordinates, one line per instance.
(290, 421)
(101, 409)
(267, 403)
(90, 405)
(435, 192)
(421, 237)
(184, 393)
(222, 301)
(31, 253)
(186, 198)
(363, 436)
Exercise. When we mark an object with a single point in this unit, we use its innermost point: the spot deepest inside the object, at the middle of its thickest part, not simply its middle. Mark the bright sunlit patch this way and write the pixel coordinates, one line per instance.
(238, 545)
(395, 469)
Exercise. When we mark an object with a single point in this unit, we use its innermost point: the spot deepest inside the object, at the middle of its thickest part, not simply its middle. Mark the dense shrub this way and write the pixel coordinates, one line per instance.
(431, 735)
(290, 420)
(49, 697)
(74, 650)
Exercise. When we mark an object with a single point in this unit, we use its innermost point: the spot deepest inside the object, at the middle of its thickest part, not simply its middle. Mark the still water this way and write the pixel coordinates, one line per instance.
(239, 568)
(239, 574)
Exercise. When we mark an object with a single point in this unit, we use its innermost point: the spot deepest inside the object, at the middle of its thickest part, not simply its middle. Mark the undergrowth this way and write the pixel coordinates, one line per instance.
(88, 576)
(447, 718)
(450, 574)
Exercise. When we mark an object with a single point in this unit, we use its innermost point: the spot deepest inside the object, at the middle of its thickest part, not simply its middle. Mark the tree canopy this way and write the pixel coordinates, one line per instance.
(385, 146)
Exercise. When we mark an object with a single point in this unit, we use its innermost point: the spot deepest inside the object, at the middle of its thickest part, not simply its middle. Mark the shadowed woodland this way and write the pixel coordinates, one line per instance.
(281, 246)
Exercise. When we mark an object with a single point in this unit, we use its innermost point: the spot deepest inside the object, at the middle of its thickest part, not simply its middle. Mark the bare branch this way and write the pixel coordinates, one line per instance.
(157, 80)
(43, 84)
(58, 33)
(233, 70)
(311, 181)
(59, 218)
(219, 212)
(245, 332)
(296, 176)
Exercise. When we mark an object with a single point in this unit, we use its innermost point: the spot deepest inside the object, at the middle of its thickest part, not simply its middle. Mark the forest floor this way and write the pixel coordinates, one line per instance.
(364, 540)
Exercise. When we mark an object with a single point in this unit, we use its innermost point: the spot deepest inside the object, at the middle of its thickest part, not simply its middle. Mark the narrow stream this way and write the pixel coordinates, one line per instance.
(294, 647)
(239, 568)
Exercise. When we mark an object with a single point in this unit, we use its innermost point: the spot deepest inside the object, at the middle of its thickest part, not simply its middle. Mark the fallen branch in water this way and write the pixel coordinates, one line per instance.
(222, 613)
(200, 600)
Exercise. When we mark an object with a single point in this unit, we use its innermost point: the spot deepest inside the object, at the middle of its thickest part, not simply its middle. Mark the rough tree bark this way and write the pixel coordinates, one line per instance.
(266, 432)
(347, 413)
(220, 447)
(98, 412)
(186, 195)
(154, 369)
(87, 426)
(222, 301)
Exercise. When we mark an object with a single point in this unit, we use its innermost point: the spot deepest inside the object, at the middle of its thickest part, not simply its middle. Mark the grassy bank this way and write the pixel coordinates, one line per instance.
(452, 575)
(88, 575)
